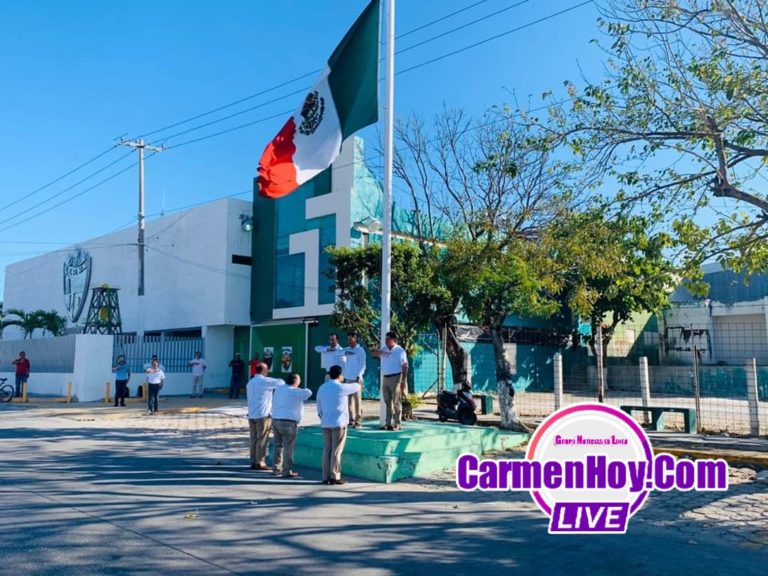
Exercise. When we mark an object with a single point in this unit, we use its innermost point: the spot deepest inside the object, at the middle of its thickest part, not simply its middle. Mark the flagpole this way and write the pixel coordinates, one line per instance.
(386, 240)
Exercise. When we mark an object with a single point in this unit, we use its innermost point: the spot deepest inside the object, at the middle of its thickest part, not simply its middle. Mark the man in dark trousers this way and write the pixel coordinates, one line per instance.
(22, 372)
(238, 371)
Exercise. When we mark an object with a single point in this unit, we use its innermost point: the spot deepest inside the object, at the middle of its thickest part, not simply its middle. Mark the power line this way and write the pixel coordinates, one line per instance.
(438, 20)
(235, 103)
(52, 182)
(38, 214)
(233, 129)
(67, 189)
(171, 211)
(496, 37)
(53, 254)
(297, 78)
(462, 27)
(431, 61)
(305, 88)
(241, 112)
(284, 113)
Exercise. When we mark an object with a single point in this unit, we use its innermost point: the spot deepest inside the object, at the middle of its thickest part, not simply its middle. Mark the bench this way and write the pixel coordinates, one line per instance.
(657, 416)
(485, 402)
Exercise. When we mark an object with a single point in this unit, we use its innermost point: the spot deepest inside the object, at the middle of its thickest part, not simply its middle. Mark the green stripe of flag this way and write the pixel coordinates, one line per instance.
(353, 78)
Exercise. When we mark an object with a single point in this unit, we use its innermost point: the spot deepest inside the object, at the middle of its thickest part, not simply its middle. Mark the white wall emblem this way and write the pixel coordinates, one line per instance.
(77, 279)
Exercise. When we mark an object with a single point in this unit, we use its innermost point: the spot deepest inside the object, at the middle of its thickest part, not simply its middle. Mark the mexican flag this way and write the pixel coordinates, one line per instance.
(342, 101)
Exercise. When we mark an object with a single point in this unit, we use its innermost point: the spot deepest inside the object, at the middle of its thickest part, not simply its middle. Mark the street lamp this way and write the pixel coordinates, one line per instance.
(369, 225)
(246, 222)
(366, 227)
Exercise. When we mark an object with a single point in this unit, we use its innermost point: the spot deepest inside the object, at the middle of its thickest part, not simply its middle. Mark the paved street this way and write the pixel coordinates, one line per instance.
(99, 491)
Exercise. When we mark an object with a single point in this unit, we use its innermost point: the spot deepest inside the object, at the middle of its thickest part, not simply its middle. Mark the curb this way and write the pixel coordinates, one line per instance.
(732, 457)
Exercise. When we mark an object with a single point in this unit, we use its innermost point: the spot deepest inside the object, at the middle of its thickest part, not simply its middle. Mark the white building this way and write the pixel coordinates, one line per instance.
(197, 282)
(728, 327)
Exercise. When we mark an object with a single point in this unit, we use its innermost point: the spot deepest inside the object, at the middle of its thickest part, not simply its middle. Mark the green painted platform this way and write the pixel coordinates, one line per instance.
(418, 449)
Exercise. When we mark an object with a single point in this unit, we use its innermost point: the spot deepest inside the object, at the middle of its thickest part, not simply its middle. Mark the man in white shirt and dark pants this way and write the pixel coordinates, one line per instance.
(287, 413)
(198, 369)
(331, 355)
(259, 393)
(394, 367)
(354, 368)
(333, 409)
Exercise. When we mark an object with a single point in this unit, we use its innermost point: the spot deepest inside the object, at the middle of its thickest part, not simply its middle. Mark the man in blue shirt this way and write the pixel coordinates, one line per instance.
(122, 375)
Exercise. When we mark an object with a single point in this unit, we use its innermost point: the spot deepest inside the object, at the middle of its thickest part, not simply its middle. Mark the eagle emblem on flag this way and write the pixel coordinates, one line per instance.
(312, 111)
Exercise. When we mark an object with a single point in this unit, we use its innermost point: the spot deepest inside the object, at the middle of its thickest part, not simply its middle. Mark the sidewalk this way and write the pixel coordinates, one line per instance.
(735, 450)
(745, 451)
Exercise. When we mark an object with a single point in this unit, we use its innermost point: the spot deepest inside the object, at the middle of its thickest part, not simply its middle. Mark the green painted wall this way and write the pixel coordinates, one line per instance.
(242, 340)
(277, 336)
(262, 257)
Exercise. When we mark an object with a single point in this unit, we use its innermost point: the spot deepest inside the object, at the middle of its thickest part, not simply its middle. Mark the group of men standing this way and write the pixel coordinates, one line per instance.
(278, 406)
(352, 361)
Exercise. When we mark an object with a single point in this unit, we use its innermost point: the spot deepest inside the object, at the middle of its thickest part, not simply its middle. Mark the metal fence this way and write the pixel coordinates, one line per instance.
(174, 353)
(426, 366)
(44, 354)
(719, 369)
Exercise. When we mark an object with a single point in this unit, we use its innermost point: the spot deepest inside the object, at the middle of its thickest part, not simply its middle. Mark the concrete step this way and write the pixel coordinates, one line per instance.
(418, 449)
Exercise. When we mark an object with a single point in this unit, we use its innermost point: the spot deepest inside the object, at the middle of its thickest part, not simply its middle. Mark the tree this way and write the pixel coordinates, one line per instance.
(51, 322)
(606, 270)
(357, 275)
(28, 322)
(502, 282)
(490, 181)
(3, 320)
(680, 122)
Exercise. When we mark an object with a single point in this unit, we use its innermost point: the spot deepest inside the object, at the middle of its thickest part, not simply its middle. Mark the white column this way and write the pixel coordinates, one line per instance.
(558, 363)
(386, 239)
(645, 387)
(752, 398)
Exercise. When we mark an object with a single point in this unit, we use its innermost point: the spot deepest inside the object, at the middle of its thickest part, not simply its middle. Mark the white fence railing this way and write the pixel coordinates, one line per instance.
(45, 354)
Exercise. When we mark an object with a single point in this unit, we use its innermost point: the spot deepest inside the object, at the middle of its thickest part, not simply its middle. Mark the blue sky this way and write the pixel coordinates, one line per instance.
(76, 75)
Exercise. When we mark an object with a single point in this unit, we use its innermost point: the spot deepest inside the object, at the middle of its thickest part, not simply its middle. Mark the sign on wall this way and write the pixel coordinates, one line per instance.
(77, 279)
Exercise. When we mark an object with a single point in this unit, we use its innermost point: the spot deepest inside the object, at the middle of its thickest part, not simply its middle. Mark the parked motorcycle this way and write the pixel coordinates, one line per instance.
(459, 406)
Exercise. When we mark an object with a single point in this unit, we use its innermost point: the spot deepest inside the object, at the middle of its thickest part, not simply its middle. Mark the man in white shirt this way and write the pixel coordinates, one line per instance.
(259, 392)
(331, 355)
(198, 368)
(333, 409)
(394, 367)
(155, 379)
(287, 413)
(354, 368)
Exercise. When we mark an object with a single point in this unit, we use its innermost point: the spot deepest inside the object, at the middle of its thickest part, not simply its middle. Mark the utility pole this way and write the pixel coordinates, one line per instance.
(140, 146)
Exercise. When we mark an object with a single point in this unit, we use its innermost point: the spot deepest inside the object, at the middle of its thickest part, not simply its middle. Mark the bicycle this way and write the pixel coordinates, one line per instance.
(6, 390)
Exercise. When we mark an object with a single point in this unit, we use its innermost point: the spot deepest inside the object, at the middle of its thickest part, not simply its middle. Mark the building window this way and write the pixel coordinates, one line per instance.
(181, 334)
(244, 260)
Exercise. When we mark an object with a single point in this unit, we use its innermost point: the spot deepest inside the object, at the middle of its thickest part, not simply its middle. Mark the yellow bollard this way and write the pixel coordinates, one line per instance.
(144, 392)
(24, 392)
(69, 392)
(106, 393)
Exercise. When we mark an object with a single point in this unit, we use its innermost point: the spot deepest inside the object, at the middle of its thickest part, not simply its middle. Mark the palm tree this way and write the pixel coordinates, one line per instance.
(27, 321)
(2, 321)
(51, 321)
